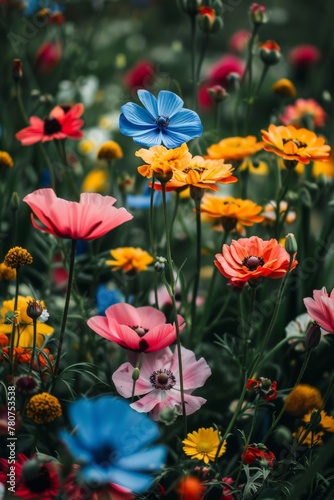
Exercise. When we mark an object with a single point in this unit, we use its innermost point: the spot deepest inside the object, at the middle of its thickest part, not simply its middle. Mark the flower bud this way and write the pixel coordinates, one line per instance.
(168, 415)
(218, 93)
(17, 71)
(160, 264)
(291, 244)
(135, 374)
(14, 201)
(34, 309)
(270, 52)
(313, 336)
(258, 14)
(208, 21)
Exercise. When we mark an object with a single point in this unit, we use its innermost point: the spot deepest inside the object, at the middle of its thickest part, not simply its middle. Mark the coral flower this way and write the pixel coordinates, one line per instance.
(130, 259)
(162, 161)
(321, 308)
(253, 258)
(295, 144)
(203, 445)
(142, 329)
(231, 212)
(235, 148)
(91, 218)
(190, 488)
(25, 327)
(159, 382)
(62, 122)
(304, 109)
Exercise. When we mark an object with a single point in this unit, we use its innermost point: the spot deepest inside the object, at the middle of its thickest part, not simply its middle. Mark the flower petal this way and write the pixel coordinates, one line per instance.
(149, 102)
(168, 103)
(137, 115)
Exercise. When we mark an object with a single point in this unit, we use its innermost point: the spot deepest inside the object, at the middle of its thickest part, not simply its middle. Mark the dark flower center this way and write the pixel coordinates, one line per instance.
(51, 126)
(162, 379)
(162, 121)
(295, 141)
(66, 107)
(41, 482)
(140, 331)
(253, 262)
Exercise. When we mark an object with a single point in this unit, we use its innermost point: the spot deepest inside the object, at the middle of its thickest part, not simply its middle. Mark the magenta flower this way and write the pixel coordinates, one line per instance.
(91, 218)
(321, 308)
(159, 382)
(142, 329)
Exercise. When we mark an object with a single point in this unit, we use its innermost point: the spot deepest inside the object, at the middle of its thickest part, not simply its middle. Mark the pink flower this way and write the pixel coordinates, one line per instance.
(303, 56)
(303, 108)
(142, 329)
(48, 57)
(62, 122)
(140, 76)
(159, 382)
(91, 218)
(238, 42)
(321, 308)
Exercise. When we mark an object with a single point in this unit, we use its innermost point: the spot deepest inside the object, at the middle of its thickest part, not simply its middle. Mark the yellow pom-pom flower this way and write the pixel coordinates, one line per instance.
(17, 257)
(43, 408)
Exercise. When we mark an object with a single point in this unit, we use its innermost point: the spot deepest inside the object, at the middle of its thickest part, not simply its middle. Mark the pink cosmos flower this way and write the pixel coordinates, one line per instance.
(142, 329)
(62, 122)
(159, 382)
(91, 218)
(321, 308)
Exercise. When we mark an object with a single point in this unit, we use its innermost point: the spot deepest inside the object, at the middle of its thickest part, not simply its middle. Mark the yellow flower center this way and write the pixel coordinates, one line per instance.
(204, 447)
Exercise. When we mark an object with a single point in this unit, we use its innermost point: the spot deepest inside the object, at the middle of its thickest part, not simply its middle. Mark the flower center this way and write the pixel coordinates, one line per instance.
(162, 379)
(204, 447)
(66, 108)
(140, 331)
(253, 262)
(41, 482)
(296, 142)
(162, 121)
(51, 126)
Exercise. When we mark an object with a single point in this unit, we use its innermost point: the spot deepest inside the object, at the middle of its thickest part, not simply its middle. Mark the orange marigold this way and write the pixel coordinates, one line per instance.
(302, 399)
(162, 161)
(130, 259)
(22, 355)
(235, 148)
(253, 258)
(295, 144)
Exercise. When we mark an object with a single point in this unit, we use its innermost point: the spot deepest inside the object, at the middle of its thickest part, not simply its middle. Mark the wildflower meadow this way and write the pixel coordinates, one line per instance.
(166, 250)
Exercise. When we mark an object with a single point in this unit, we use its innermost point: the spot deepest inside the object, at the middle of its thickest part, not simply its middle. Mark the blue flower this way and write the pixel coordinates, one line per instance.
(141, 201)
(112, 442)
(164, 121)
(106, 297)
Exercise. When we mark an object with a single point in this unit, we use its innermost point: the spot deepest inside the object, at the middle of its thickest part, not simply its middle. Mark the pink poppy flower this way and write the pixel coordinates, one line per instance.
(321, 308)
(62, 122)
(159, 382)
(91, 218)
(142, 329)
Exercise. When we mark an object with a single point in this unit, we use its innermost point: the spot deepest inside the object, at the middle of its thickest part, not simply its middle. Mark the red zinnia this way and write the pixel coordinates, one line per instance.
(258, 453)
(264, 387)
(253, 258)
(62, 122)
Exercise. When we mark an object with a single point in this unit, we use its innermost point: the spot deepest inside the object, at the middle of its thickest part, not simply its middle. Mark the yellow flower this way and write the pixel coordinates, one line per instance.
(43, 408)
(17, 257)
(130, 259)
(302, 399)
(324, 168)
(25, 328)
(284, 87)
(326, 423)
(203, 444)
(260, 168)
(232, 212)
(269, 213)
(96, 181)
(7, 273)
(162, 161)
(6, 161)
(311, 439)
(235, 148)
(110, 150)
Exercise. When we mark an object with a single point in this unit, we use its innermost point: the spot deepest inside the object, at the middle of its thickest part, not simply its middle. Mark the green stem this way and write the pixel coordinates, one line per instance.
(249, 72)
(33, 352)
(12, 338)
(111, 172)
(65, 313)
(198, 266)
(263, 76)
(202, 57)
(248, 331)
(193, 60)
(62, 153)
(48, 165)
(280, 196)
(20, 103)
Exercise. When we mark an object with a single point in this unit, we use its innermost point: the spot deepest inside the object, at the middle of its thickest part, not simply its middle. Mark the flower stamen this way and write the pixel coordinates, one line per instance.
(163, 379)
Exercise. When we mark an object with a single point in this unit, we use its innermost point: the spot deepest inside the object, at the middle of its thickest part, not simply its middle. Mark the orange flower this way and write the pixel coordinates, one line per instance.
(130, 259)
(190, 488)
(253, 258)
(232, 212)
(235, 148)
(323, 168)
(295, 144)
(162, 161)
(269, 214)
(22, 355)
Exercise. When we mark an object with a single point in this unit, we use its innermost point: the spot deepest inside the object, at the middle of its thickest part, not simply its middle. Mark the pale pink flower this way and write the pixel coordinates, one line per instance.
(321, 308)
(159, 382)
(91, 218)
(142, 329)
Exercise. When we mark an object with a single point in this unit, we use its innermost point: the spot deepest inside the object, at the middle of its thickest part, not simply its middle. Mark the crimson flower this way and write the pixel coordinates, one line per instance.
(62, 122)
(264, 387)
(91, 218)
(258, 453)
(142, 329)
(321, 308)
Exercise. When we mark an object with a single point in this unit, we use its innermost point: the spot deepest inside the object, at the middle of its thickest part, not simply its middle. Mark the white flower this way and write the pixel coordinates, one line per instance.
(44, 316)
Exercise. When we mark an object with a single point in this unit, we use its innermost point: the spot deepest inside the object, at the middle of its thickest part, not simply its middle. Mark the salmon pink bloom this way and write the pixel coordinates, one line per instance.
(321, 308)
(304, 109)
(142, 329)
(91, 218)
(253, 258)
(62, 122)
(159, 382)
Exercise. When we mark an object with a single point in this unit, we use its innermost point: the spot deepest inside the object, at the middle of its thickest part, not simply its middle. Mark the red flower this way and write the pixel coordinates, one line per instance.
(48, 57)
(140, 76)
(258, 454)
(264, 387)
(304, 56)
(62, 122)
(239, 41)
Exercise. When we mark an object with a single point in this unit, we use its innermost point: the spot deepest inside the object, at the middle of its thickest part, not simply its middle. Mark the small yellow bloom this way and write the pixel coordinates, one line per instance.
(6, 161)
(311, 439)
(130, 259)
(43, 408)
(259, 168)
(324, 168)
(17, 257)
(284, 87)
(235, 148)
(203, 444)
(326, 423)
(7, 273)
(96, 181)
(110, 150)
(302, 399)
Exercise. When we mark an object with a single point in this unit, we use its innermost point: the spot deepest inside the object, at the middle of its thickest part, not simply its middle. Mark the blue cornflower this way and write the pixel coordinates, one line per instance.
(164, 121)
(112, 442)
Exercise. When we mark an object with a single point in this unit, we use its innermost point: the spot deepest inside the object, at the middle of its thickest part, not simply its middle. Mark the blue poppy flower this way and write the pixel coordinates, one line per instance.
(164, 121)
(112, 442)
